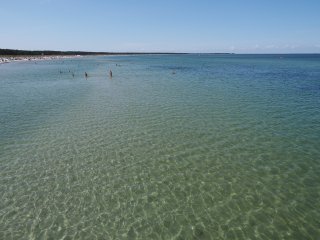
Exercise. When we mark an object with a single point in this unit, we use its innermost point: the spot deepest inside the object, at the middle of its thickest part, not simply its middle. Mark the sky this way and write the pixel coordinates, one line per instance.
(238, 26)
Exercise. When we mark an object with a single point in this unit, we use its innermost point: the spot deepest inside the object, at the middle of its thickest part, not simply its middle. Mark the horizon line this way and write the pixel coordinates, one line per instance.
(16, 51)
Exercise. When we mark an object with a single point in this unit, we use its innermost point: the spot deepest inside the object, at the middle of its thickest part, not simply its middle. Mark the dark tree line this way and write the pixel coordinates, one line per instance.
(14, 52)
(47, 52)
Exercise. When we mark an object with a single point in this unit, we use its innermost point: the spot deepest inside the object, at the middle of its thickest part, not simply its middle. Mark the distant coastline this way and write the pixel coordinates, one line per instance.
(12, 55)
(16, 52)
(9, 55)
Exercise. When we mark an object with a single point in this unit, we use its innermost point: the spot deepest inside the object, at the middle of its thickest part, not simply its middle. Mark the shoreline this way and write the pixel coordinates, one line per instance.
(24, 58)
(9, 59)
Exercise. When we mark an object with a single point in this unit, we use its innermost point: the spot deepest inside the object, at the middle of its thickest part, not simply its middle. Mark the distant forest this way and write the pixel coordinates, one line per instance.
(14, 52)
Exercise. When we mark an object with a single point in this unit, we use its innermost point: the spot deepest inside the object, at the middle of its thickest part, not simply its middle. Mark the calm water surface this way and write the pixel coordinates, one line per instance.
(172, 147)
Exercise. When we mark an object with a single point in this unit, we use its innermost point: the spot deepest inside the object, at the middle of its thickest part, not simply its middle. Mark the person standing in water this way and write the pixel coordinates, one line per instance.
(86, 74)
(110, 74)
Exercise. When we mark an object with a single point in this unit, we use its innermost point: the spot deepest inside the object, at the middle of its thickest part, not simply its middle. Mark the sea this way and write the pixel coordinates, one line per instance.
(176, 146)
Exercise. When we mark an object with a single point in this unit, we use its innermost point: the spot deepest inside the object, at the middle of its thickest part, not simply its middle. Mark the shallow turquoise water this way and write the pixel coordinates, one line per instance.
(172, 147)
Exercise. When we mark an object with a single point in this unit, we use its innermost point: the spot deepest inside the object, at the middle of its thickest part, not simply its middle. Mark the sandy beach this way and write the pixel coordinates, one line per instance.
(8, 59)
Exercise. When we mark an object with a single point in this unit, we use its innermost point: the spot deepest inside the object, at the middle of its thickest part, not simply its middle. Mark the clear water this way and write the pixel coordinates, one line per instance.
(172, 147)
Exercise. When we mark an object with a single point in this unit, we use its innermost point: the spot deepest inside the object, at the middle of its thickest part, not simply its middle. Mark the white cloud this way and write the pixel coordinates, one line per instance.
(256, 46)
(232, 48)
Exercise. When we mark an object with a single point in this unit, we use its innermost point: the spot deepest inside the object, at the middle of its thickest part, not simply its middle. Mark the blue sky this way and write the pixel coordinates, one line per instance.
(240, 26)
